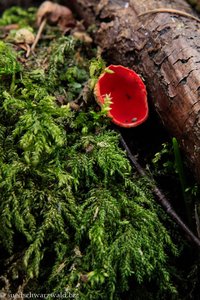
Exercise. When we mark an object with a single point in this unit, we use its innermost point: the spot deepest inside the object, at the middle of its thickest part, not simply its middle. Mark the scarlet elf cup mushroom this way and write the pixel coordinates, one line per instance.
(129, 107)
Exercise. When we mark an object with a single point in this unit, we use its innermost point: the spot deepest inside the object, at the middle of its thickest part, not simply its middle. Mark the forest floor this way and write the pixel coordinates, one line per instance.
(76, 217)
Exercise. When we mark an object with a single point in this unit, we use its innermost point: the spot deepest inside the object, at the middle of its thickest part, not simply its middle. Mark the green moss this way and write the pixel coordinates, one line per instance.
(8, 60)
(17, 15)
(68, 191)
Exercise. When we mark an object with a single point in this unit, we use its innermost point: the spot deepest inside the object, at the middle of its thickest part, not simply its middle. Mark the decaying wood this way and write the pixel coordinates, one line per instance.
(164, 47)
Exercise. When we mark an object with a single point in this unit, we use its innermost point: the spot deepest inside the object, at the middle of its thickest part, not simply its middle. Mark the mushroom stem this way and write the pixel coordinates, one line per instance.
(161, 197)
(39, 33)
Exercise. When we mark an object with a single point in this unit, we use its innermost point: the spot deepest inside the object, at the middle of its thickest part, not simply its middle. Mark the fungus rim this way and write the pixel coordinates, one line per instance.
(100, 98)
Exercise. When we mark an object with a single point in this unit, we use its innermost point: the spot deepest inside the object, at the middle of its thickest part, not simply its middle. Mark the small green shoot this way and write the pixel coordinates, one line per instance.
(179, 166)
(180, 170)
(105, 108)
(109, 71)
(97, 66)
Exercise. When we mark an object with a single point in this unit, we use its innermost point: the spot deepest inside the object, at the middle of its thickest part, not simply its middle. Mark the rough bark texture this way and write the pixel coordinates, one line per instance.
(164, 49)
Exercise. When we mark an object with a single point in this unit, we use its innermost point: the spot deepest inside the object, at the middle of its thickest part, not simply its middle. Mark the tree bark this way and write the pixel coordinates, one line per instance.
(164, 49)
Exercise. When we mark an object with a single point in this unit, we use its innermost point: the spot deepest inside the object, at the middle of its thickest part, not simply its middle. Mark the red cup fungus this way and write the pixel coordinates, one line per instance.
(129, 107)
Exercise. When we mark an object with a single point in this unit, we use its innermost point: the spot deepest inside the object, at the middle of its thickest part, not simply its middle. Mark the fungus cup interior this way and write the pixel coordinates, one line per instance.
(128, 94)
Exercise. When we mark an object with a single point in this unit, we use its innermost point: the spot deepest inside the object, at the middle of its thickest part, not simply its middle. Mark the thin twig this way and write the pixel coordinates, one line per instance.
(39, 33)
(161, 197)
(171, 11)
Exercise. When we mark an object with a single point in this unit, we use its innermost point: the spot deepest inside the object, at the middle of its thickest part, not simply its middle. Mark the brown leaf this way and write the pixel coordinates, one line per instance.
(74, 106)
(24, 36)
(83, 36)
(55, 14)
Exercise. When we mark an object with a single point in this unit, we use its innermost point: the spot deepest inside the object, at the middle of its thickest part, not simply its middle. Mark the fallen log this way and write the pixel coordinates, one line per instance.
(161, 41)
